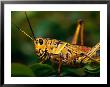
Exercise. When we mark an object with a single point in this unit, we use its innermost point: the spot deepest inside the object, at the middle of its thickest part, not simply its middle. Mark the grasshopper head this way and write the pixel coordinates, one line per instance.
(40, 46)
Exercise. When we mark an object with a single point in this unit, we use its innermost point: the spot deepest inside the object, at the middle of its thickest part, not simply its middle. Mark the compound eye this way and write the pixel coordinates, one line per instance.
(40, 41)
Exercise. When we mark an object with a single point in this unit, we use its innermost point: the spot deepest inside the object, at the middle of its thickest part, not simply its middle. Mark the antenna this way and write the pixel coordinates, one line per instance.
(24, 32)
(30, 25)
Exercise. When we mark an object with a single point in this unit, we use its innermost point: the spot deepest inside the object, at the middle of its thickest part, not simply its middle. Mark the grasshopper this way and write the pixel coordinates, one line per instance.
(61, 52)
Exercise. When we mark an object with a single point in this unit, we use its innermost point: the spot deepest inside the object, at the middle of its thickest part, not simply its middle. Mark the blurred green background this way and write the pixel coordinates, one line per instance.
(50, 24)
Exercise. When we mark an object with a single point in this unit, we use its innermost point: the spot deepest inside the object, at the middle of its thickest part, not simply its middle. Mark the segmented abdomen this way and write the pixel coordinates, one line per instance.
(72, 54)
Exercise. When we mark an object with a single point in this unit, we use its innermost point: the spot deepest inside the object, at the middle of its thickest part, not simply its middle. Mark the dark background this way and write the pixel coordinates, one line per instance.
(55, 25)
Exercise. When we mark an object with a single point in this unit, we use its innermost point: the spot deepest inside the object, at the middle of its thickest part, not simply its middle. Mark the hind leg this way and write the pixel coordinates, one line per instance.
(79, 29)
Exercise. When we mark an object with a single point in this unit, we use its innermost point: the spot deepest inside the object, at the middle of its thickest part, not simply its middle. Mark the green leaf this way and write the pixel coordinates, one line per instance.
(18, 70)
(42, 69)
(73, 71)
(92, 69)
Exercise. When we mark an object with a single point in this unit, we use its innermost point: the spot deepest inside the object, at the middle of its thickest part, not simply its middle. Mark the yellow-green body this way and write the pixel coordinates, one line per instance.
(56, 50)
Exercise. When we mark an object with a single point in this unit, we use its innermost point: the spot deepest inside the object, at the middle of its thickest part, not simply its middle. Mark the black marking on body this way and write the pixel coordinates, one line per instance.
(59, 42)
(82, 59)
(74, 60)
(50, 42)
(81, 54)
(67, 55)
(69, 51)
(44, 54)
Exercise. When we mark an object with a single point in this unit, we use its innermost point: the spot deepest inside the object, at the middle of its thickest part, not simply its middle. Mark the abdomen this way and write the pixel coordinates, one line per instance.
(72, 54)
